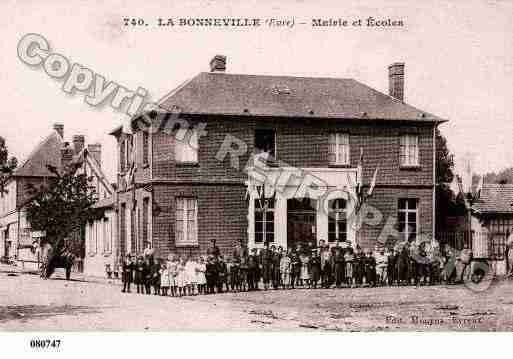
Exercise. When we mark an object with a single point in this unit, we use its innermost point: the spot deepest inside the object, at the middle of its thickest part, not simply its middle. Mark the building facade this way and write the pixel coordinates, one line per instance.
(492, 225)
(236, 161)
(16, 238)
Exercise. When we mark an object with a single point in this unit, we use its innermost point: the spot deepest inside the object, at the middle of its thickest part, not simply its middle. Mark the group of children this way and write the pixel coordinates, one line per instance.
(272, 267)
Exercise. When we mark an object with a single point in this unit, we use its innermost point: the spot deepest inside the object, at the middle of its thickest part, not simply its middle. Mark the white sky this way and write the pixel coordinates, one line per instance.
(458, 55)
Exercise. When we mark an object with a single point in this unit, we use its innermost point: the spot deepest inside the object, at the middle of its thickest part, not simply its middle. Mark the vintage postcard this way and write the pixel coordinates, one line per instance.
(276, 165)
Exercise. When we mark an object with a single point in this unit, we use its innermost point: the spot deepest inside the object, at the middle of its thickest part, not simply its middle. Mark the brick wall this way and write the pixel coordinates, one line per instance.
(222, 215)
(301, 143)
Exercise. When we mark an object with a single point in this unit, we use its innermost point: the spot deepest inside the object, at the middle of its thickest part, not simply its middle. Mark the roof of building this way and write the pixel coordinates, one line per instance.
(495, 198)
(286, 96)
(47, 152)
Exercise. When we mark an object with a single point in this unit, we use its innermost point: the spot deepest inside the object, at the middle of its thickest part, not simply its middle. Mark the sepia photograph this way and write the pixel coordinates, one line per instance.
(253, 167)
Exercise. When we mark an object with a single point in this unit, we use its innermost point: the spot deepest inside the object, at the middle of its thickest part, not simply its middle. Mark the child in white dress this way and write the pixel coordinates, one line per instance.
(181, 277)
(200, 275)
(190, 275)
(164, 279)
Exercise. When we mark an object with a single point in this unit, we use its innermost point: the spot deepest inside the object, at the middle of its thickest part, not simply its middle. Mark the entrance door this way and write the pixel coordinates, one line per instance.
(301, 223)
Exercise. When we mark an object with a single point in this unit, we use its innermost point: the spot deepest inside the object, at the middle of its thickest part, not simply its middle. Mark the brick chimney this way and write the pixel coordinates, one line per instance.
(396, 80)
(95, 150)
(66, 155)
(218, 64)
(59, 127)
(78, 143)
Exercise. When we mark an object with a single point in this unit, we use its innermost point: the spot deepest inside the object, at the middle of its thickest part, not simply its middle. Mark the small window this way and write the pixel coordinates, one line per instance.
(186, 149)
(264, 221)
(265, 141)
(338, 151)
(107, 244)
(407, 218)
(337, 220)
(146, 147)
(186, 222)
(409, 151)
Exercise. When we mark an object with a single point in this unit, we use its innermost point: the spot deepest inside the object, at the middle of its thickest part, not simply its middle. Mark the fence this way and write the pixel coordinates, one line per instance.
(483, 244)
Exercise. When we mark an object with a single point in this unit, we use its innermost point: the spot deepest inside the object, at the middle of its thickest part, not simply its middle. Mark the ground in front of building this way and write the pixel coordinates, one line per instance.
(30, 303)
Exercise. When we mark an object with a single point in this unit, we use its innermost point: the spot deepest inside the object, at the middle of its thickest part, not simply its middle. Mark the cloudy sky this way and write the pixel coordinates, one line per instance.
(458, 55)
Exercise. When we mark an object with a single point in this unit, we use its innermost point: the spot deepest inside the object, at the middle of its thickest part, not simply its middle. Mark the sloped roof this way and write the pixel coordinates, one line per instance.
(47, 152)
(285, 96)
(495, 198)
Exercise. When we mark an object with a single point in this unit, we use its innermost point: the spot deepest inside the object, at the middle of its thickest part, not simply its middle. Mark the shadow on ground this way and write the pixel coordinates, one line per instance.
(28, 312)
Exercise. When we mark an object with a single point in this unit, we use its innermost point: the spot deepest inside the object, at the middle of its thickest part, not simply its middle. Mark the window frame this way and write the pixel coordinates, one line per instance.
(406, 233)
(274, 153)
(409, 153)
(334, 215)
(185, 241)
(265, 221)
(334, 148)
(182, 146)
(145, 147)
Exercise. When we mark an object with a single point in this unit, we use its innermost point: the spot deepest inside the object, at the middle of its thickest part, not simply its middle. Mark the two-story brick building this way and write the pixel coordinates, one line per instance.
(194, 176)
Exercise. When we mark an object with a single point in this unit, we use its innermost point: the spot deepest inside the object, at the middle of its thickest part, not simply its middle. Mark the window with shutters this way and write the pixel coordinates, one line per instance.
(186, 222)
(338, 148)
(409, 150)
(145, 224)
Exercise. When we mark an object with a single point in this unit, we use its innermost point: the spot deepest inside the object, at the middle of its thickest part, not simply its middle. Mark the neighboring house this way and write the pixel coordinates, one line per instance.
(100, 235)
(183, 191)
(16, 239)
(492, 223)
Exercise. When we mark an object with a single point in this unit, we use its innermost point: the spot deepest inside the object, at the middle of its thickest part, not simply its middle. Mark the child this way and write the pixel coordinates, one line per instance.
(147, 274)
(285, 270)
(315, 268)
(243, 271)
(172, 267)
(370, 269)
(381, 267)
(180, 277)
(235, 273)
(164, 279)
(190, 275)
(295, 268)
(211, 274)
(200, 275)
(348, 259)
(156, 276)
(128, 267)
(222, 274)
(139, 274)
(304, 259)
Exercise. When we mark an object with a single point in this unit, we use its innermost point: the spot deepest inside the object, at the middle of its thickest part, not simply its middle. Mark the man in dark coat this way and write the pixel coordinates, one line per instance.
(370, 269)
(266, 263)
(339, 266)
(211, 274)
(139, 275)
(127, 273)
(392, 263)
(276, 277)
(358, 266)
(253, 270)
(295, 268)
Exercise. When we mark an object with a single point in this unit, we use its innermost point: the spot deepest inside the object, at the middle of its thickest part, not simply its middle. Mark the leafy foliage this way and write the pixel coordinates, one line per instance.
(447, 202)
(61, 207)
(503, 177)
(7, 164)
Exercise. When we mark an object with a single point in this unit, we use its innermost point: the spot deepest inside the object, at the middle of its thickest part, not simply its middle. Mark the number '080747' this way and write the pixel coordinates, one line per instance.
(45, 343)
